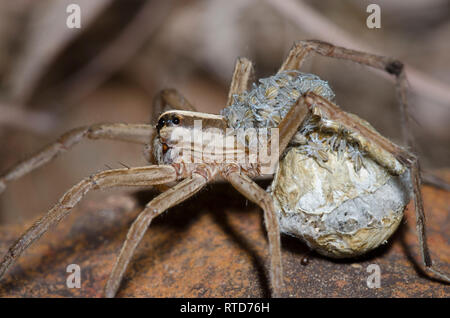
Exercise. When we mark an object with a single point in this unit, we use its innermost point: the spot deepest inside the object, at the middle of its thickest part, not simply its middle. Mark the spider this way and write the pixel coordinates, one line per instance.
(308, 124)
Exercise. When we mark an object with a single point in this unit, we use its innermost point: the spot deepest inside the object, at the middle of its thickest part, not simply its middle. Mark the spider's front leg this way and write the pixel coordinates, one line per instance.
(175, 195)
(256, 194)
(141, 176)
(136, 133)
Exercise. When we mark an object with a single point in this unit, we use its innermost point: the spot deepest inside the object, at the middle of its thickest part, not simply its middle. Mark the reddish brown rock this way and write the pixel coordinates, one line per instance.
(214, 245)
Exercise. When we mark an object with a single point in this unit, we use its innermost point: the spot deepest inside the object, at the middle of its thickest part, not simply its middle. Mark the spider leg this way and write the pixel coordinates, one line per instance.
(140, 176)
(420, 223)
(382, 150)
(136, 133)
(296, 56)
(155, 207)
(290, 124)
(242, 75)
(302, 49)
(256, 194)
(167, 99)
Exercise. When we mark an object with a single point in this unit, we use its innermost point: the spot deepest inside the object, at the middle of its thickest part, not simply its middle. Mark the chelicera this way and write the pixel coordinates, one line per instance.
(327, 158)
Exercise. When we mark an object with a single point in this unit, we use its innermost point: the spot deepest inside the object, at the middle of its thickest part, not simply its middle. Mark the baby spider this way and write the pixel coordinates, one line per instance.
(338, 185)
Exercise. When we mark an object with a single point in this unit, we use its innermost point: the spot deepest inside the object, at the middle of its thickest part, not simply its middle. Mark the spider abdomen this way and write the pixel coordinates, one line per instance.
(269, 101)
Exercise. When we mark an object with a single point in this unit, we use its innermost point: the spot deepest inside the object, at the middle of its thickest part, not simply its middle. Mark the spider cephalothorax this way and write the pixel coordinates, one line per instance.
(177, 132)
(189, 139)
(339, 185)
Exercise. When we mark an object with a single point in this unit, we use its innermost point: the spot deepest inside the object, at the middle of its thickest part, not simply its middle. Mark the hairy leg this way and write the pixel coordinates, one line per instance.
(158, 205)
(256, 194)
(420, 224)
(382, 150)
(290, 124)
(302, 50)
(136, 133)
(242, 75)
(142, 176)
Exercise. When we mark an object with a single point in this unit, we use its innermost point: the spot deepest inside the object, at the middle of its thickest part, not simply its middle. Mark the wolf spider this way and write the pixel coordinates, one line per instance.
(192, 177)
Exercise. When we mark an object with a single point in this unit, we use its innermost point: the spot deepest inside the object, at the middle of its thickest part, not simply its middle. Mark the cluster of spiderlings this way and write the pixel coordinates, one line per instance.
(356, 156)
(311, 124)
(315, 148)
(319, 143)
(267, 103)
(338, 144)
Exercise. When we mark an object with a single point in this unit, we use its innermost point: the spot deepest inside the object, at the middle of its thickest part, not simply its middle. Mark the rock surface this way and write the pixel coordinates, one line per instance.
(214, 245)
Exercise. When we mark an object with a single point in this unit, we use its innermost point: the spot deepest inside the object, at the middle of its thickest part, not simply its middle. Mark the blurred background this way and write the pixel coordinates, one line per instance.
(53, 78)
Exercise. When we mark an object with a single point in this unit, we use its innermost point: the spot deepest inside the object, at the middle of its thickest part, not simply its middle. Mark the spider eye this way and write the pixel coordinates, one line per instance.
(161, 123)
(175, 120)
